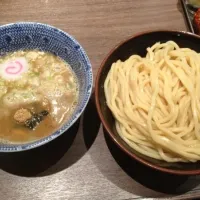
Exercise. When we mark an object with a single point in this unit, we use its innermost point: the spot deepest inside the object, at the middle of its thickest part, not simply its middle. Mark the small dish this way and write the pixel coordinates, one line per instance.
(31, 35)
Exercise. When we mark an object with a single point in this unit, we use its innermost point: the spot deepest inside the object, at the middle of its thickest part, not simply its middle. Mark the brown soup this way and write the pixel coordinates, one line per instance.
(38, 92)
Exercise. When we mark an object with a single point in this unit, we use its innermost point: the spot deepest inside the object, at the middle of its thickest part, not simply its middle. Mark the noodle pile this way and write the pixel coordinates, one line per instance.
(156, 102)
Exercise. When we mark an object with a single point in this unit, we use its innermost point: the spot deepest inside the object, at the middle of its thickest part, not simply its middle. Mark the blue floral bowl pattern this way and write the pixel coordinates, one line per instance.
(28, 35)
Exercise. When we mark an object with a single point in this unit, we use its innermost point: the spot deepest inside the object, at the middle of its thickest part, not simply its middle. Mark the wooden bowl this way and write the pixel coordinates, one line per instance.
(138, 44)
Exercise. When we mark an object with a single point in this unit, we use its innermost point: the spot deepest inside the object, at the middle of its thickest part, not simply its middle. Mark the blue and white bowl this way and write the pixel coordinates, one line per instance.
(28, 35)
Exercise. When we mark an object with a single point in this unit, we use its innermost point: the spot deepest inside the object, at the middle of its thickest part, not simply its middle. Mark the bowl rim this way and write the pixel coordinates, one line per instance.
(42, 141)
(104, 122)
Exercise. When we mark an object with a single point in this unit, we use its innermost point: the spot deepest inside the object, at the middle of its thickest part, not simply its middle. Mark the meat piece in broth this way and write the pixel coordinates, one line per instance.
(22, 115)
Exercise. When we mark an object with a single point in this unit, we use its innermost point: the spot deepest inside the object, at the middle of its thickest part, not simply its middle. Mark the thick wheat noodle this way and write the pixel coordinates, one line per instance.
(156, 102)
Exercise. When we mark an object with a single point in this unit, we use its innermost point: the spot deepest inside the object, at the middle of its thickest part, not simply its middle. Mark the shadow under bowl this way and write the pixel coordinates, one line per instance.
(137, 45)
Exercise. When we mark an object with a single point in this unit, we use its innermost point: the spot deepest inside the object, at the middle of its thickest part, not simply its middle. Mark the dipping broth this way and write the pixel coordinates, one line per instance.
(38, 93)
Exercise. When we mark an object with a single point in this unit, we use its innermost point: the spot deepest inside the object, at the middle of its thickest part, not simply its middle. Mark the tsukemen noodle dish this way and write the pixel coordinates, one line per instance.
(155, 101)
(38, 93)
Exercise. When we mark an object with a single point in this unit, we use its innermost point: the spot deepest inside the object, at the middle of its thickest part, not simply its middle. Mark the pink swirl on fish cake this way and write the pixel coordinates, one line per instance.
(12, 70)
